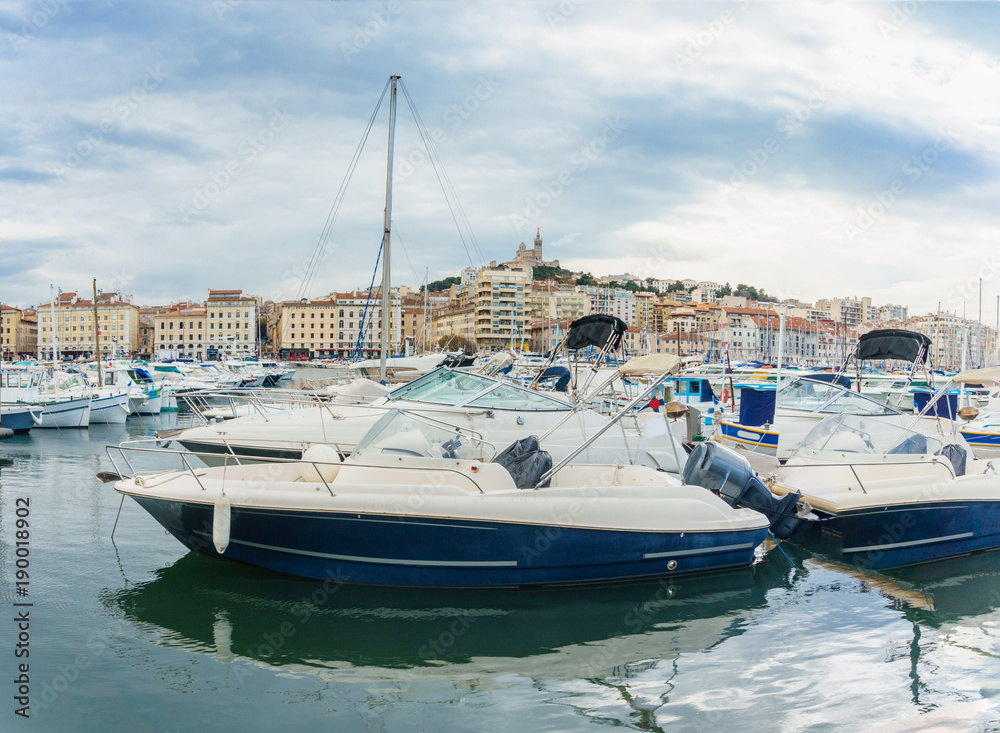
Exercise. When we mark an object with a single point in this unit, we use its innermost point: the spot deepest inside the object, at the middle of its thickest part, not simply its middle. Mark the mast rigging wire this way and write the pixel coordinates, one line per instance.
(319, 251)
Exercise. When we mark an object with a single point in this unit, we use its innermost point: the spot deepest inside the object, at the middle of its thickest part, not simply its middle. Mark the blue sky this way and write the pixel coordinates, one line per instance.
(812, 149)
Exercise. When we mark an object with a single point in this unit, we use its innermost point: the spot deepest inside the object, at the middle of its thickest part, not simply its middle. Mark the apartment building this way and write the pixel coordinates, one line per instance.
(71, 319)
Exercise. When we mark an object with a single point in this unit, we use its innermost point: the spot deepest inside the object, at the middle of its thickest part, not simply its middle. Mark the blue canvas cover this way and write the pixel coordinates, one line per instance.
(831, 377)
(946, 405)
(756, 406)
(561, 374)
(707, 395)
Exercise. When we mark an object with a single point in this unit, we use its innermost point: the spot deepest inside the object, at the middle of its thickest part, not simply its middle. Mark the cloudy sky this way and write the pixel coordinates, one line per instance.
(811, 149)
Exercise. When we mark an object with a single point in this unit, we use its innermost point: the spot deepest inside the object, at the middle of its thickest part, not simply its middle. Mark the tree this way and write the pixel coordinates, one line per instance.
(725, 290)
(457, 342)
(439, 285)
(751, 293)
(548, 272)
(586, 279)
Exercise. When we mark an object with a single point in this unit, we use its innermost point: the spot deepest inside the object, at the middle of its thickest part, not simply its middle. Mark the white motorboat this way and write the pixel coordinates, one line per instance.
(890, 495)
(49, 407)
(499, 410)
(420, 502)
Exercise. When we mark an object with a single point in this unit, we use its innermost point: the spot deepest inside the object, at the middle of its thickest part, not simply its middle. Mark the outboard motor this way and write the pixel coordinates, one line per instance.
(729, 474)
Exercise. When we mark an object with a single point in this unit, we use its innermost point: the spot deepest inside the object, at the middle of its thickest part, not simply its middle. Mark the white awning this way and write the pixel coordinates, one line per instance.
(651, 364)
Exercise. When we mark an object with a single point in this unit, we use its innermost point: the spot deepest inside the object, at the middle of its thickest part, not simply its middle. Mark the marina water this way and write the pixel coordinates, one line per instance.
(137, 634)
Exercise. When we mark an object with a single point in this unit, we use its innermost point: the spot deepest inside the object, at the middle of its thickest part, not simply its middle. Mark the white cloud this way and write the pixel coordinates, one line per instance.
(516, 92)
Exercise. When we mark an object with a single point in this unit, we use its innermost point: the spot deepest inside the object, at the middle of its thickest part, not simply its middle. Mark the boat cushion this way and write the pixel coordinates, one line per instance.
(525, 461)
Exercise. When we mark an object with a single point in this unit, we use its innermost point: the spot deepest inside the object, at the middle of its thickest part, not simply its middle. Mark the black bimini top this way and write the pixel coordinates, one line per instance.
(596, 330)
(892, 343)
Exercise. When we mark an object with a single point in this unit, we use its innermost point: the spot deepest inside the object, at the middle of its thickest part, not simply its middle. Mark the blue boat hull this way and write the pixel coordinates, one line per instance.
(436, 552)
(981, 439)
(752, 437)
(884, 537)
(17, 420)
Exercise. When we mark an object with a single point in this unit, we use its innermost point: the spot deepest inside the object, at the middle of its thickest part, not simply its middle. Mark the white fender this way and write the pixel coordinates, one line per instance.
(221, 524)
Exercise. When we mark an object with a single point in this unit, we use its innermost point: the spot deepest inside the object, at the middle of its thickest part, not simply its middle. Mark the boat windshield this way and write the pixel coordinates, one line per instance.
(19, 378)
(400, 434)
(826, 397)
(861, 434)
(450, 387)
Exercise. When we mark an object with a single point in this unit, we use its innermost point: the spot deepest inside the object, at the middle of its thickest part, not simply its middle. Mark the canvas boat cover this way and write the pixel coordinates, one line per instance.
(945, 405)
(756, 406)
(525, 461)
(832, 378)
(596, 330)
(892, 343)
(650, 364)
(978, 376)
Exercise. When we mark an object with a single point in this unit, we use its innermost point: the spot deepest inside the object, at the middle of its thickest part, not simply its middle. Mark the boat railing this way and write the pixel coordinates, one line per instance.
(261, 402)
(153, 446)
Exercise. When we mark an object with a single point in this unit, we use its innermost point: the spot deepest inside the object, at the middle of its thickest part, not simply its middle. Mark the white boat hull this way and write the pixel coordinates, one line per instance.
(112, 409)
(72, 413)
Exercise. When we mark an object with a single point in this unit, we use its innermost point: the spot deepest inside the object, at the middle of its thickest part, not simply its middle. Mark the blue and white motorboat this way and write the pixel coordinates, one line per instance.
(50, 407)
(890, 495)
(423, 503)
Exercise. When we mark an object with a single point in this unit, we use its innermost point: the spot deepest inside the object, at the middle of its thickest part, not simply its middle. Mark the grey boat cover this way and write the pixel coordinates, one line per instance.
(525, 462)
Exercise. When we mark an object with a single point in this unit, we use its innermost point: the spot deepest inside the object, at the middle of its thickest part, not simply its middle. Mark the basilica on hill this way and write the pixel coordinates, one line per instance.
(525, 259)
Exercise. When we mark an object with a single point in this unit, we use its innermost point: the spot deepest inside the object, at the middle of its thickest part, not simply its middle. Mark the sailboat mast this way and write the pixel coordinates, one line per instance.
(97, 338)
(52, 310)
(386, 269)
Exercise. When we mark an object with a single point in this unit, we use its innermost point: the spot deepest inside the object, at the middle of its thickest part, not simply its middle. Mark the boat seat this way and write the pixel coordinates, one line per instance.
(525, 461)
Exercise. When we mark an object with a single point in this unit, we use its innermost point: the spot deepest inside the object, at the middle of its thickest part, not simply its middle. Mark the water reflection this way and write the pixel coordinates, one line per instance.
(237, 612)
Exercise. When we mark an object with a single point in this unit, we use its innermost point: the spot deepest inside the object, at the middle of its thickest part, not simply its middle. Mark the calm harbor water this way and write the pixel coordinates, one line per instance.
(139, 635)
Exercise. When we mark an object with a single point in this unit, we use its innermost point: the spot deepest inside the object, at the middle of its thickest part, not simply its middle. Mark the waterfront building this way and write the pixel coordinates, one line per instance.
(338, 325)
(74, 326)
(181, 332)
(18, 332)
(232, 324)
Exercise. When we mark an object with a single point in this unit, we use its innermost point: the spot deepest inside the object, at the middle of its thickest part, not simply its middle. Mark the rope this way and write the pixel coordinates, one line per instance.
(362, 327)
(443, 179)
(319, 251)
(776, 544)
